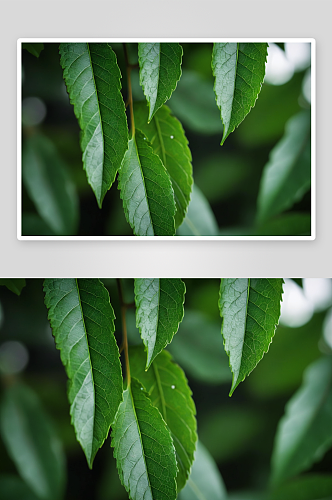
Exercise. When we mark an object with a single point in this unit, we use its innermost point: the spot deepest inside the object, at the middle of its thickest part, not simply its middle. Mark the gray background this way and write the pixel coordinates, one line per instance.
(171, 18)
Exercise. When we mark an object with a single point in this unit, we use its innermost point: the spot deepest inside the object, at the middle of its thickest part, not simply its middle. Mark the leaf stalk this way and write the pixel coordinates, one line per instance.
(124, 346)
(130, 93)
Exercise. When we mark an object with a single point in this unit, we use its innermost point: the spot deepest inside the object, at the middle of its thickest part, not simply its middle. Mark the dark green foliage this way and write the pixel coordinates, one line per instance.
(153, 424)
(232, 195)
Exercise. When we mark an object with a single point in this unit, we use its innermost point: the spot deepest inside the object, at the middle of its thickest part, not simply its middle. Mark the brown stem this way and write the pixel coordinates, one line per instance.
(124, 346)
(130, 93)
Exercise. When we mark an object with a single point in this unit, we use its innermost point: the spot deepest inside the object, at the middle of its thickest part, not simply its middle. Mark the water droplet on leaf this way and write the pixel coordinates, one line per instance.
(172, 136)
(172, 386)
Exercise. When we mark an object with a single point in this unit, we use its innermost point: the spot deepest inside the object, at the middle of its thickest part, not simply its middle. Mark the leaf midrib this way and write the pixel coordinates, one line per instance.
(143, 180)
(91, 369)
(140, 436)
(100, 118)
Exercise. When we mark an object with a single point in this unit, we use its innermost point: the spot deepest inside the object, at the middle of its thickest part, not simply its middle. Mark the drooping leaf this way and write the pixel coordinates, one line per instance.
(201, 356)
(159, 311)
(168, 389)
(166, 135)
(34, 48)
(239, 70)
(205, 481)
(93, 77)
(200, 220)
(307, 487)
(250, 310)
(305, 433)
(146, 190)
(81, 318)
(32, 443)
(160, 70)
(287, 175)
(15, 285)
(143, 448)
(47, 180)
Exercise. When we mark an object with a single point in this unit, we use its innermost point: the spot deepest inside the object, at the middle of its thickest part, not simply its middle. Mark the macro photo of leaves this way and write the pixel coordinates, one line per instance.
(166, 389)
(166, 139)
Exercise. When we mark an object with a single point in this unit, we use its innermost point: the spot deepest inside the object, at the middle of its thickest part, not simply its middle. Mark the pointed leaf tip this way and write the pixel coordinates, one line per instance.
(146, 190)
(250, 311)
(239, 70)
(160, 70)
(92, 76)
(143, 447)
(159, 311)
(82, 320)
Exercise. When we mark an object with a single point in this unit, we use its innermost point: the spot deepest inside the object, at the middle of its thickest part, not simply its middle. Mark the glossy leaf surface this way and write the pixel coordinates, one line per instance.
(159, 311)
(81, 318)
(205, 481)
(160, 70)
(305, 432)
(32, 443)
(287, 175)
(15, 285)
(47, 180)
(239, 70)
(167, 137)
(146, 190)
(143, 448)
(250, 310)
(168, 389)
(93, 77)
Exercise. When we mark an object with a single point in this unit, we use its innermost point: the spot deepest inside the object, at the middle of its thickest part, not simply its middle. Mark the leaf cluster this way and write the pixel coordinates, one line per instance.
(127, 132)
(149, 412)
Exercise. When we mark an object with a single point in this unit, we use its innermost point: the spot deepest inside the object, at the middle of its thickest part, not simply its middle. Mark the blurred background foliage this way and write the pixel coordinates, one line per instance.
(236, 434)
(227, 179)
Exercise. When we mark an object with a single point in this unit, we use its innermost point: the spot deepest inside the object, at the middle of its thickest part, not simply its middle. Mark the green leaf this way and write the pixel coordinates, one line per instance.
(239, 70)
(168, 389)
(160, 70)
(159, 311)
(47, 180)
(201, 356)
(307, 487)
(34, 48)
(250, 310)
(166, 135)
(205, 481)
(304, 433)
(200, 220)
(32, 443)
(81, 317)
(146, 190)
(93, 78)
(143, 448)
(15, 285)
(286, 176)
